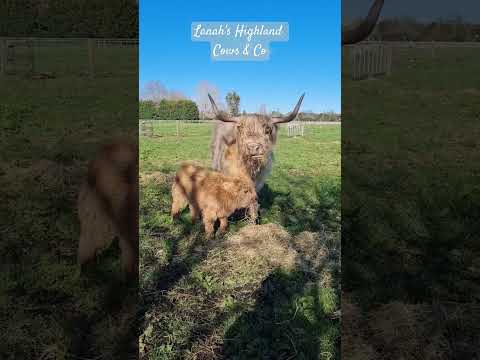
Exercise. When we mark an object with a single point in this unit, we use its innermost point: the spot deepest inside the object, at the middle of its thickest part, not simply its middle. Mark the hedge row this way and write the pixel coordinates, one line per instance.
(169, 110)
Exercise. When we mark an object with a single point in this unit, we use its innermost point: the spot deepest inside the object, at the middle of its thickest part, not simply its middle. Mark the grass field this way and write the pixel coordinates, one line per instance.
(50, 128)
(410, 203)
(226, 298)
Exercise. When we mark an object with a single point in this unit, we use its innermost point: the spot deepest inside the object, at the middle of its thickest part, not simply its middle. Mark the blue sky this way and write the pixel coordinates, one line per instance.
(309, 62)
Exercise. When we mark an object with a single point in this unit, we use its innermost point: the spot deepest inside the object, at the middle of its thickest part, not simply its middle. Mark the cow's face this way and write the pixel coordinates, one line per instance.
(255, 136)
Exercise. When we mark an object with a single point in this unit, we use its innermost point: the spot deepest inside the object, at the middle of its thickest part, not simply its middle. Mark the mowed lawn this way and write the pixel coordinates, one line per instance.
(211, 300)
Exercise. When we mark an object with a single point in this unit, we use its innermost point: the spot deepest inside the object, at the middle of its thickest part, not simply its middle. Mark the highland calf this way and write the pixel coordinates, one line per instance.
(108, 204)
(212, 195)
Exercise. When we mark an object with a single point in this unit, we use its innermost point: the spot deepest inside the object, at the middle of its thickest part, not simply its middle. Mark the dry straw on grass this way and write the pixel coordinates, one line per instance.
(407, 331)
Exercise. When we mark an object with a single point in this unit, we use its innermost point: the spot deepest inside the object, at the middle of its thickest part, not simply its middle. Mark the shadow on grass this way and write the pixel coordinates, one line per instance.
(295, 314)
(303, 205)
(287, 322)
(118, 303)
(292, 315)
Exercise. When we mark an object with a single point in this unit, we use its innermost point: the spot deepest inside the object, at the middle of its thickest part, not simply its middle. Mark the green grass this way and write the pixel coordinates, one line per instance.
(410, 192)
(50, 128)
(205, 299)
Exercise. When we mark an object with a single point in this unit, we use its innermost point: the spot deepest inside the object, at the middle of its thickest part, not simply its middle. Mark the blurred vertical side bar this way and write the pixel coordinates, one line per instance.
(68, 179)
(410, 183)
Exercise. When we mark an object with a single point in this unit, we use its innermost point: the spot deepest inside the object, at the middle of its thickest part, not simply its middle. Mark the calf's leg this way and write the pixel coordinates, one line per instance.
(223, 226)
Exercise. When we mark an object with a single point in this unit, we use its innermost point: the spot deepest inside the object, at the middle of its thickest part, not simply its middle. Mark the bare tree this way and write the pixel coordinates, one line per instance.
(156, 91)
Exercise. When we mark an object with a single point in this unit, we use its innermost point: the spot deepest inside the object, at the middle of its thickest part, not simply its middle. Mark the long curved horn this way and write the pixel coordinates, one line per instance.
(222, 116)
(359, 33)
(291, 116)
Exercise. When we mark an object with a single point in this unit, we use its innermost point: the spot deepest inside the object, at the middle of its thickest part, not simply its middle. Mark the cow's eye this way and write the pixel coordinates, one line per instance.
(268, 130)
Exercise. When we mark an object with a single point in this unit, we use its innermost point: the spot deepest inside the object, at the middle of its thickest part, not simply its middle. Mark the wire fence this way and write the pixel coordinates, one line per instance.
(54, 57)
(295, 129)
(369, 59)
(151, 128)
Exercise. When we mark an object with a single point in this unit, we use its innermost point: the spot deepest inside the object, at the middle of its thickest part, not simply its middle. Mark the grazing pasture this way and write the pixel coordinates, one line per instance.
(264, 291)
(50, 128)
(411, 205)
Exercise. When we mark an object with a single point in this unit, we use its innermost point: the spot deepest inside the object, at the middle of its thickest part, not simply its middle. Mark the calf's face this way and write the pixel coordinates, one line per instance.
(245, 193)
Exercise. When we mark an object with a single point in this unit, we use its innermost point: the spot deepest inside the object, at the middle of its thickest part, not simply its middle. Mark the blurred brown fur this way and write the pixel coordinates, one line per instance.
(211, 194)
(108, 204)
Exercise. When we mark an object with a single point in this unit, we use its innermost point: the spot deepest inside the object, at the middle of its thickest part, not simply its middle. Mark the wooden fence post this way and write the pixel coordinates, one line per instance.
(91, 58)
(31, 45)
(3, 56)
(389, 57)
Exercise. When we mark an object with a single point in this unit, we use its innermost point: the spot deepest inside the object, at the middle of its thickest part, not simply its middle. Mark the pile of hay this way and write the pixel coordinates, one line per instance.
(157, 177)
(255, 251)
(410, 331)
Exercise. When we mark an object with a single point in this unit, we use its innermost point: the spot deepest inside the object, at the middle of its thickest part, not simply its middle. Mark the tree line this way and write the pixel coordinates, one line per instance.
(409, 29)
(69, 18)
(168, 110)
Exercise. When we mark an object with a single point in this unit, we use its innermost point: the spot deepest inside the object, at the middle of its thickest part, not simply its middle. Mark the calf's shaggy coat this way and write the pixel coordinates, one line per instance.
(211, 194)
(108, 204)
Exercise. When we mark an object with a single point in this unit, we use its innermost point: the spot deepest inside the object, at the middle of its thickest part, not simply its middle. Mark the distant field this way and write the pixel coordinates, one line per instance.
(200, 298)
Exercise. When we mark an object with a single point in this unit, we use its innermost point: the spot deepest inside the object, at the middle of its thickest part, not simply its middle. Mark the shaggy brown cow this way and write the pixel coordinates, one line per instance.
(108, 204)
(244, 144)
(211, 194)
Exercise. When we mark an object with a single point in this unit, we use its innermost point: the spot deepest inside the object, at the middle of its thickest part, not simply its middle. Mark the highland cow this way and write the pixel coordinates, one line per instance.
(108, 204)
(243, 145)
(212, 195)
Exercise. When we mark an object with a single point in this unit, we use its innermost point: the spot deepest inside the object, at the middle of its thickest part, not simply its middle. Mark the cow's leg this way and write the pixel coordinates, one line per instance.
(129, 258)
(223, 226)
(96, 228)
(209, 219)
(194, 213)
(217, 155)
(87, 249)
(178, 201)
(253, 213)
